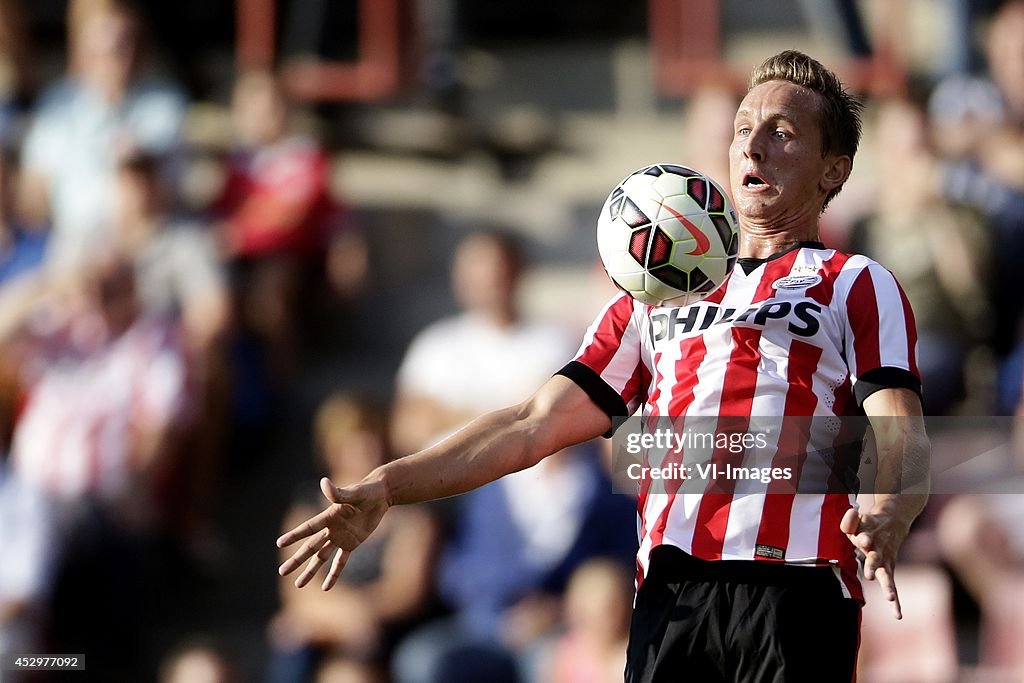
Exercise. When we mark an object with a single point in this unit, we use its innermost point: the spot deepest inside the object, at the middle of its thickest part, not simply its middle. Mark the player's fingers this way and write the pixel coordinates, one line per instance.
(314, 564)
(863, 541)
(337, 565)
(306, 551)
(307, 528)
(887, 581)
(850, 523)
(871, 564)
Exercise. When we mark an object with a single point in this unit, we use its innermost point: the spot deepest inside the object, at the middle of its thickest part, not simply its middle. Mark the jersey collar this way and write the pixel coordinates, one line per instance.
(750, 264)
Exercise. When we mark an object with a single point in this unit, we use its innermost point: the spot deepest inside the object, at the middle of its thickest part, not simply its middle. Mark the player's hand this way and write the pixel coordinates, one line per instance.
(353, 514)
(879, 537)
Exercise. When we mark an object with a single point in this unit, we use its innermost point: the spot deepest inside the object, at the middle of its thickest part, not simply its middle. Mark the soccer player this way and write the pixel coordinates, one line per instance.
(730, 588)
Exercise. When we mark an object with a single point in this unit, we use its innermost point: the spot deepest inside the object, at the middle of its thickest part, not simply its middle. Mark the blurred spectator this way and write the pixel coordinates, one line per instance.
(22, 246)
(103, 107)
(449, 376)
(516, 541)
(177, 263)
(939, 252)
(279, 218)
(959, 53)
(180, 277)
(197, 662)
(598, 605)
(104, 407)
(106, 387)
(385, 584)
(977, 124)
(30, 554)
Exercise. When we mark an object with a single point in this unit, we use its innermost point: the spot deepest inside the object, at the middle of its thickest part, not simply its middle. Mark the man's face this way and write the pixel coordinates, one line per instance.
(107, 50)
(483, 276)
(776, 168)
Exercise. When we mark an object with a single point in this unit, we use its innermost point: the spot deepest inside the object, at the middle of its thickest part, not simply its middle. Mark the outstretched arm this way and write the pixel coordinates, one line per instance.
(901, 486)
(559, 415)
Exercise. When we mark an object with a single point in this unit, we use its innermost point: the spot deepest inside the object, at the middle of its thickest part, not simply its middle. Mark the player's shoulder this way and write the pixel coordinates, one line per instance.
(843, 266)
(857, 277)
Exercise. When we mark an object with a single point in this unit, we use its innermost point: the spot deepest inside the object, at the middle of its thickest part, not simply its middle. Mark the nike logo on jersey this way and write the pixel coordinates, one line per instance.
(803, 318)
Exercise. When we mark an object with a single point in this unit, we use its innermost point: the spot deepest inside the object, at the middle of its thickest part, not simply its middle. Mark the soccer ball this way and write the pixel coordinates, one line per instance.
(668, 235)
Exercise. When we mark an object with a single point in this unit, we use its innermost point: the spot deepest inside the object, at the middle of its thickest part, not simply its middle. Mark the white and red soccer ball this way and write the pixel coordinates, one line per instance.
(668, 235)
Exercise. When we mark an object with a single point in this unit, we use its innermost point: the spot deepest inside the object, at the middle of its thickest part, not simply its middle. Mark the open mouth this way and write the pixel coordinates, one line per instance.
(752, 181)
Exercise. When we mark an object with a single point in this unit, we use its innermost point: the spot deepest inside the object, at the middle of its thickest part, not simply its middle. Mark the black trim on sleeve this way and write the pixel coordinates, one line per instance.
(603, 396)
(885, 378)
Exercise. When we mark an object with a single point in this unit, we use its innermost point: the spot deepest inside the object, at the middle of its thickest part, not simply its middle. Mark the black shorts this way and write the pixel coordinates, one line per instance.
(740, 621)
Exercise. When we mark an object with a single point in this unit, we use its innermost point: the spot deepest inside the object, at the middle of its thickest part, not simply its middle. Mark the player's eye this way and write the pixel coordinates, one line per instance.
(743, 131)
(782, 134)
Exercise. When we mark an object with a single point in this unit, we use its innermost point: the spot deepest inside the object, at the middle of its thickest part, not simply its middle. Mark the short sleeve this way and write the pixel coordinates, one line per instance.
(881, 336)
(609, 365)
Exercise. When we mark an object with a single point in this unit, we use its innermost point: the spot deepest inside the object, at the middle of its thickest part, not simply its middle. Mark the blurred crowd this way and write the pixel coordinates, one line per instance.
(149, 337)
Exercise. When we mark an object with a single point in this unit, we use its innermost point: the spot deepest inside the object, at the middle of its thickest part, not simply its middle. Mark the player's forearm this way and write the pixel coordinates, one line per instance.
(488, 448)
(902, 482)
(559, 415)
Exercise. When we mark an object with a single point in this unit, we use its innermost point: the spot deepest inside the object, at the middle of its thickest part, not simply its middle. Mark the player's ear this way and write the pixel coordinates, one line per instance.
(836, 173)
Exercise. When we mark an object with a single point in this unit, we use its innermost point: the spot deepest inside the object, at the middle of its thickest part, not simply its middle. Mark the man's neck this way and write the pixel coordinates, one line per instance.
(762, 241)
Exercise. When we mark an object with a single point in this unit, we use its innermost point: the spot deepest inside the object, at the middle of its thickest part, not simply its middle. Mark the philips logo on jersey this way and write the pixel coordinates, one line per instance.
(802, 318)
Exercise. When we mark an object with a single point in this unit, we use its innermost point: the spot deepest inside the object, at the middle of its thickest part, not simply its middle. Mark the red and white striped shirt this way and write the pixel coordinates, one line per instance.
(793, 337)
(89, 397)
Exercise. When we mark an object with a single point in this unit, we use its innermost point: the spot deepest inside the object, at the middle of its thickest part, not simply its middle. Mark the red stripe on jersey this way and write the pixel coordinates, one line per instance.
(774, 269)
(843, 401)
(824, 290)
(791, 451)
(911, 327)
(638, 383)
(692, 355)
(608, 335)
(655, 394)
(737, 401)
(864, 322)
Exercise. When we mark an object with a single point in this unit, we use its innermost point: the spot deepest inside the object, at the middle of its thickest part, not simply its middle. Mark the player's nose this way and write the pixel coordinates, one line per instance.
(753, 146)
